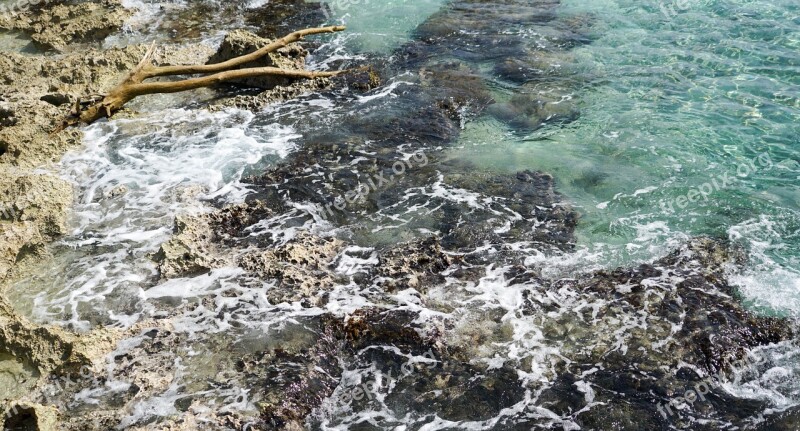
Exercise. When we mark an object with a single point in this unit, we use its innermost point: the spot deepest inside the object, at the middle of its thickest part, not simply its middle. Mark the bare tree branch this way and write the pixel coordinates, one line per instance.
(151, 72)
(134, 86)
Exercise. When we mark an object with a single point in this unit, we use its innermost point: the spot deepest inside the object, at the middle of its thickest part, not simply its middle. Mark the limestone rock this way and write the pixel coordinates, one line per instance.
(189, 251)
(241, 42)
(300, 266)
(56, 26)
(41, 199)
(202, 242)
(30, 416)
(16, 242)
(413, 265)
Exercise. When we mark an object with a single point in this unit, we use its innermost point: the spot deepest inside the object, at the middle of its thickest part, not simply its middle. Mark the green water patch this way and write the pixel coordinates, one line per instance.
(689, 126)
(380, 26)
(17, 42)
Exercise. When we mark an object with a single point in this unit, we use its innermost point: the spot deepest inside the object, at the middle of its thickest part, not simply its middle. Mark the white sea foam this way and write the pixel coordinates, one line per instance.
(132, 178)
(765, 282)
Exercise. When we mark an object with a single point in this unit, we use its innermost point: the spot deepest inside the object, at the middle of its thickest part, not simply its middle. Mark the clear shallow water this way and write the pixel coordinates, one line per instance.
(670, 104)
(666, 105)
(379, 26)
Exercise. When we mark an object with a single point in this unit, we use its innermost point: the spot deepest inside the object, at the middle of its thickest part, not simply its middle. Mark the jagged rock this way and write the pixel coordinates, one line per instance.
(661, 329)
(279, 17)
(198, 244)
(362, 80)
(290, 393)
(189, 251)
(416, 265)
(545, 218)
(26, 141)
(49, 348)
(300, 266)
(40, 199)
(30, 416)
(241, 42)
(58, 24)
(278, 94)
(27, 80)
(18, 241)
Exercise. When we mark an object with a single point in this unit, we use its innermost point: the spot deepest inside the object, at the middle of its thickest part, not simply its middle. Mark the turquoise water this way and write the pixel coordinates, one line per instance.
(380, 25)
(672, 109)
(669, 103)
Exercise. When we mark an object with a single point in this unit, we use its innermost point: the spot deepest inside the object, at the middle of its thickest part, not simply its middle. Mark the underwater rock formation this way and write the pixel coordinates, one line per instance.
(453, 324)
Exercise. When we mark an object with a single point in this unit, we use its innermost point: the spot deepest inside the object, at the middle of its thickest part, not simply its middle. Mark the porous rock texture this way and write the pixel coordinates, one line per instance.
(36, 92)
(60, 24)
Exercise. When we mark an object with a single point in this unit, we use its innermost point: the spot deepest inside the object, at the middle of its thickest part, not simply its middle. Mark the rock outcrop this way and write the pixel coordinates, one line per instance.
(59, 24)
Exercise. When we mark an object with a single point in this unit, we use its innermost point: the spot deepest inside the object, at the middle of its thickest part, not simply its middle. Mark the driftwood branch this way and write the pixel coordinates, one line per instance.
(134, 86)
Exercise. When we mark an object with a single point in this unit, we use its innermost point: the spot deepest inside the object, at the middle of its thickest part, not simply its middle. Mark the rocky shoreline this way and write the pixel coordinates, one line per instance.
(633, 338)
(36, 92)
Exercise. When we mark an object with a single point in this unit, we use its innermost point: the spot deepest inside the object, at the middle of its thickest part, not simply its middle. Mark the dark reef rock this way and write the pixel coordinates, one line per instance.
(604, 350)
(534, 212)
(280, 17)
(361, 80)
(662, 329)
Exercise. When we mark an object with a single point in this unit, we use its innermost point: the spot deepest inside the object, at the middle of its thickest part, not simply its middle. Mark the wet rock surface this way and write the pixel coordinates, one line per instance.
(58, 24)
(663, 329)
(450, 322)
(239, 42)
(36, 90)
(199, 242)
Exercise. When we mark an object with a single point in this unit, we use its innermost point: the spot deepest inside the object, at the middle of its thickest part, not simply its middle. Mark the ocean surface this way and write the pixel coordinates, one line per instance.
(687, 124)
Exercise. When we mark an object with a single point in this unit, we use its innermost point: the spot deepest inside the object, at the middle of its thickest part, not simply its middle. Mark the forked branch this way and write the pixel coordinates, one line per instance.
(134, 86)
